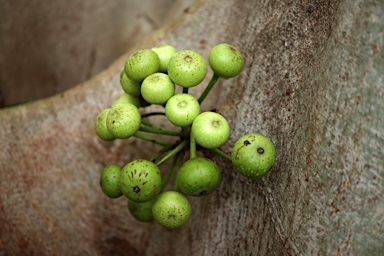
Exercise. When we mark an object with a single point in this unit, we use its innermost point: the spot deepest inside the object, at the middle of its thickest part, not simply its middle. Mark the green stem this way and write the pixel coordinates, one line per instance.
(159, 131)
(169, 173)
(148, 123)
(172, 153)
(185, 90)
(162, 151)
(178, 165)
(208, 88)
(151, 139)
(192, 147)
(222, 154)
(153, 114)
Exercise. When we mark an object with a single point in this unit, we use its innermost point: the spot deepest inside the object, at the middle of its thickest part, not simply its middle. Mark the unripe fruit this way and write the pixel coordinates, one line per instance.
(181, 109)
(198, 176)
(141, 211)
(210, 130)
(126, 98)
(253, 155)
(165, 53)
(123, 120)
(129, 86)
(140, 180)
(110, 181)
(187, 68)
(142, 64)
(171, 209)
(157, 88)
(225, 60)
(101, 126)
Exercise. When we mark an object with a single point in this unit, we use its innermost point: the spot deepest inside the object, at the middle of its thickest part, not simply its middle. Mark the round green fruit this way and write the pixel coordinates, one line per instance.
(141, 211)
(187, 68)
(140, 180)
(253, 155)
(142, 64)
(110, 181)
(126, 98)
(198, 176)
(123, 120)
(129, 86)
(225, 60)
(165, 53)
(171, 209)
(157, 88)
(210, 130)
(181, 109)
(101, 126)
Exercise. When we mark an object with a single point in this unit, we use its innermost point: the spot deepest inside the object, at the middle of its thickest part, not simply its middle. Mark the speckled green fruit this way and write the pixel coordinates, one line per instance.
(198, 176)
(129, 86)
(210, 130)
(141, 211)
(187, 68)
(142, 64)
(171, 209)
(101, 126)
(165, 53)
(140, 180)
(226, 60)
(157, 88)
(123, 120)
(126, 98)
(182, 109)
(253, 155)
(110, 181)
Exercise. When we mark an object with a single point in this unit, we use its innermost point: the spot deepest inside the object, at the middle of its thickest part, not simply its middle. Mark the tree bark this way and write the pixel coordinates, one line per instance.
(312, 82)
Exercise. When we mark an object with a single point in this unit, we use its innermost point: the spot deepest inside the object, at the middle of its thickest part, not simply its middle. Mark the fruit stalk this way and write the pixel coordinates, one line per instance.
(208, 88)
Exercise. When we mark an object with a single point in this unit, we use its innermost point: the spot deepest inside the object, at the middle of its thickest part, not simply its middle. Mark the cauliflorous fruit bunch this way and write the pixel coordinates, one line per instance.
(150, 77)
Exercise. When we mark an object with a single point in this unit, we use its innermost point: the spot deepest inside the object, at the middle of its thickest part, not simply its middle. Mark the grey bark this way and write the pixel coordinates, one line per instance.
(312, 82)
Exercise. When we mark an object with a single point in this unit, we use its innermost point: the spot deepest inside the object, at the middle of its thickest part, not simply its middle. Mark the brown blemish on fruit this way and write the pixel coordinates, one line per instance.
(188, 58)
(246, 143)
(260, 151)
(136, 189)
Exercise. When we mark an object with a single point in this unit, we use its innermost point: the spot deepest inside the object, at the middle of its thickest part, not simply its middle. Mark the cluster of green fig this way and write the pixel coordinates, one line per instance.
(150, 77)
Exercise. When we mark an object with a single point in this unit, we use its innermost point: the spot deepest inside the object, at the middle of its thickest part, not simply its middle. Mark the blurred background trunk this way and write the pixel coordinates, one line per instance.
(50, 46)
(312, 82)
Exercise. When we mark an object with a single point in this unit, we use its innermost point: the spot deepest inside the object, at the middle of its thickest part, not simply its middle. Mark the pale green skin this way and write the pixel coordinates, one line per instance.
(123, 120)
(187, 68)
(165, 53)
(210, 130)
(101, 126)
(140, 180)
(110, 181)
(141, 64)
(129, 86)
(225, 60)
(141, 211)
(126, 98)
(198, 176)
(182, 109)
(248, 161)
(157, 88)
(171, 209)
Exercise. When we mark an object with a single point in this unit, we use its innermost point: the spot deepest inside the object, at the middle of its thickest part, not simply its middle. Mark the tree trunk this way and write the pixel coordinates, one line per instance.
(312, 82)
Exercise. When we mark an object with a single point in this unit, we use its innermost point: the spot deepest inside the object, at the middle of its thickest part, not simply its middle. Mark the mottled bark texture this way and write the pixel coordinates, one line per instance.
(312, 82)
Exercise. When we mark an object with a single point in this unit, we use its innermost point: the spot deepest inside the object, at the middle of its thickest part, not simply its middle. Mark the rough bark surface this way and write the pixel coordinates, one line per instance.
(313, 83)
